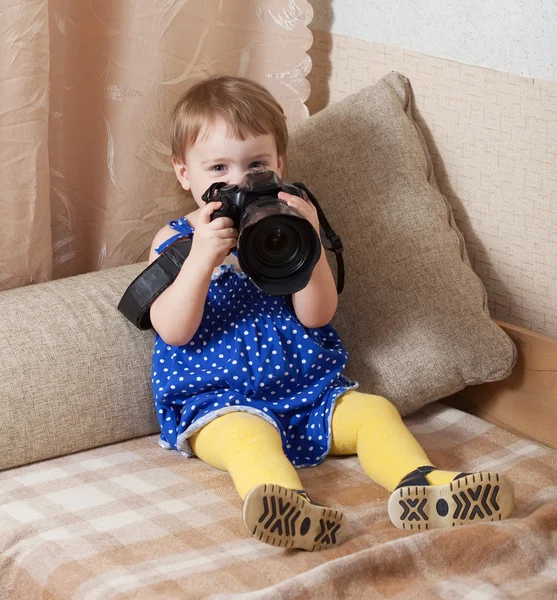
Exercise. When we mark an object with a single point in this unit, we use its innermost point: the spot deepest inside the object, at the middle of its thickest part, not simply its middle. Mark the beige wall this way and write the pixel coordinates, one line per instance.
(493, 137)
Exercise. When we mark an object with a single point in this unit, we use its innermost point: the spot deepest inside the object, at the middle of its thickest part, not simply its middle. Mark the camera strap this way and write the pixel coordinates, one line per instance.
(136, 302)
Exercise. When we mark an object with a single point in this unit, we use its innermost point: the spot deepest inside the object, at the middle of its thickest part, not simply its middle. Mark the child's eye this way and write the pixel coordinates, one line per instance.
(218, 168)
(258, 164)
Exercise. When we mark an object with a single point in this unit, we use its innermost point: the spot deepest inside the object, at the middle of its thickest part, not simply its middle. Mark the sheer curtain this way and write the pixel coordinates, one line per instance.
(86, 88)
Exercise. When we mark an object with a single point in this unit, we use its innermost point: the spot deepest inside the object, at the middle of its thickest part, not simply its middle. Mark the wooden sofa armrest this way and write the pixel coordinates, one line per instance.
(525, 402)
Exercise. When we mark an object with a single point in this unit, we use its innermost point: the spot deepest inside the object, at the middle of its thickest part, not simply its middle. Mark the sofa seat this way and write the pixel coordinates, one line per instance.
(131, 520)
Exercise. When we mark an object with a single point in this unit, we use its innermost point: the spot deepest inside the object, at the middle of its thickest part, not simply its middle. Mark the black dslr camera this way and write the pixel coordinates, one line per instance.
(277, 247)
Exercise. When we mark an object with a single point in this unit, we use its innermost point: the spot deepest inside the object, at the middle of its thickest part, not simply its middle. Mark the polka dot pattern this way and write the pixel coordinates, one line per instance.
(250, 354)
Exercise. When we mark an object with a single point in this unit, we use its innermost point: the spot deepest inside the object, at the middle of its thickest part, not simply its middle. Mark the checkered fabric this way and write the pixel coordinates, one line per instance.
(131, 520)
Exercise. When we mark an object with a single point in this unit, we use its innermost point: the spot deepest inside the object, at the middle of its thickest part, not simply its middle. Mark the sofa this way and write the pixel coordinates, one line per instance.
(92, 507)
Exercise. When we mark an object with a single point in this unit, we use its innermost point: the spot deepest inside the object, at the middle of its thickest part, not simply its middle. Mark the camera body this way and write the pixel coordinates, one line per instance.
(277, 247)
(256, 186)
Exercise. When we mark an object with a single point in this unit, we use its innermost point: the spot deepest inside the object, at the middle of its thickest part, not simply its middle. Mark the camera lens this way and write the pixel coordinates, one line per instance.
(274, 241)
(277, 247)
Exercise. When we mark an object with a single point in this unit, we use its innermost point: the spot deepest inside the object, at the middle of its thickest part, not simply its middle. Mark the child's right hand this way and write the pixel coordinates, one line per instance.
(213, 240)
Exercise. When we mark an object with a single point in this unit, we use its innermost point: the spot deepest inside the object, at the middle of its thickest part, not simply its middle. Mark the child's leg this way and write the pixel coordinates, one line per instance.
(249, 448)
(276, 510)
(371, 427)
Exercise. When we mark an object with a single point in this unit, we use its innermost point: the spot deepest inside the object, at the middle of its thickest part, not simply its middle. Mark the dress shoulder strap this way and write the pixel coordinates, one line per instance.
(184, 229)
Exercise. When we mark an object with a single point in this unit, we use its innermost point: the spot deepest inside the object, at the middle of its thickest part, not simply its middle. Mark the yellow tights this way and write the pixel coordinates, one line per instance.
(250, 449)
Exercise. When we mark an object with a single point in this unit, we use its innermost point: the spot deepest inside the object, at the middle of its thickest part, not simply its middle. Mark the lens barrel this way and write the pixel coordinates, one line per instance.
(277, 247)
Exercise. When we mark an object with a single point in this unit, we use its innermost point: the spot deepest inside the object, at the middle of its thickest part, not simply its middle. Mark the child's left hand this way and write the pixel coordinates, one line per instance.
(303, 206)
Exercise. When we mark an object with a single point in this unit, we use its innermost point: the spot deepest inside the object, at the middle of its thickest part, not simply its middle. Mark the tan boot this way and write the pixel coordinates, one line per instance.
(469, 498)
(288, 518)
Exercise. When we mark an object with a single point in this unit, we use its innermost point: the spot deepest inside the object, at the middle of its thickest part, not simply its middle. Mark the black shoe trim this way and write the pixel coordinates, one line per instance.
(418, 477)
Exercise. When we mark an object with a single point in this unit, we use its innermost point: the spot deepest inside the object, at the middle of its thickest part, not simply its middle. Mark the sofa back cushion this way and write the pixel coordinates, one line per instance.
(74, 373)
(413, 315)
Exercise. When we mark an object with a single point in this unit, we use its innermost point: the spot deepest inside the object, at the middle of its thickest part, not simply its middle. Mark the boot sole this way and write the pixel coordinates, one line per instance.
(280, 517)
(476, 498)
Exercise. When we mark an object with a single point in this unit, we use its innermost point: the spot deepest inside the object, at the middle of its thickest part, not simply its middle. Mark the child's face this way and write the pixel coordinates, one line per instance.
(217, 157)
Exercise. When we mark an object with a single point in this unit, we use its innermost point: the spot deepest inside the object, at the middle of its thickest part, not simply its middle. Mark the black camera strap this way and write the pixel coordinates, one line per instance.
(136, 302)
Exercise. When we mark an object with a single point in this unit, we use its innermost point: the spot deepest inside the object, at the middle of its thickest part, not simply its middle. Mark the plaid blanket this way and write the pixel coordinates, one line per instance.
(134, 521)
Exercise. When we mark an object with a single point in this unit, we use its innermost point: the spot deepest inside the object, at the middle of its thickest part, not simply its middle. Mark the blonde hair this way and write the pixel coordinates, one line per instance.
(246, 107)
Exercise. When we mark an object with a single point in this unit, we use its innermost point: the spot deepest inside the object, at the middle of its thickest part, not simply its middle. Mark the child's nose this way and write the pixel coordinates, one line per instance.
(236, 177)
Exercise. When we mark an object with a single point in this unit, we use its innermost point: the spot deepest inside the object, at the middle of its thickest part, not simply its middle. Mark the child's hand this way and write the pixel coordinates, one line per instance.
(304, 207)
(212, 240)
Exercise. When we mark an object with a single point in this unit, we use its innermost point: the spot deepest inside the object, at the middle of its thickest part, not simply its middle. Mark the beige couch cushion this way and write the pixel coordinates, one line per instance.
(413, 314)
(133, 522)
(74, 373)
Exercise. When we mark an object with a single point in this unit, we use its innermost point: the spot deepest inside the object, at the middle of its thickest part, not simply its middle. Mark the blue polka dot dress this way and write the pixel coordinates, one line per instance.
(251, 354)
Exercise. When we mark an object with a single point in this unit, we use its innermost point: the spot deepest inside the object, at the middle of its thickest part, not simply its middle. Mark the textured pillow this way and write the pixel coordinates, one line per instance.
(74, 373)
(413, 314)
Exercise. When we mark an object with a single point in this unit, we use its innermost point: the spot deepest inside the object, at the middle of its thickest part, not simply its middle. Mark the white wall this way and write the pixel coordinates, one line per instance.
(508, 35)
